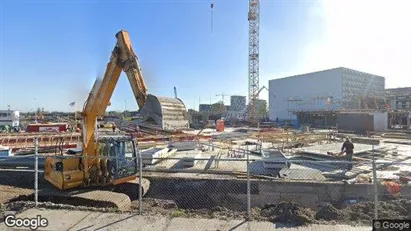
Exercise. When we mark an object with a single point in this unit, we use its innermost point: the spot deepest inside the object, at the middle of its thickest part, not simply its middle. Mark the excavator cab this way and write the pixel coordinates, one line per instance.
(115, 163)
(118, 157)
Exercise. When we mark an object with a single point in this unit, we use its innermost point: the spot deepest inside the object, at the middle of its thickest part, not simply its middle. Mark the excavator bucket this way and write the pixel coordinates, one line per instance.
(167, 113)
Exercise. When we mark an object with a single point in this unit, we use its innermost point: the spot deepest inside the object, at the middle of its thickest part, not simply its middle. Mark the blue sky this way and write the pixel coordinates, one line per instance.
(52, 51)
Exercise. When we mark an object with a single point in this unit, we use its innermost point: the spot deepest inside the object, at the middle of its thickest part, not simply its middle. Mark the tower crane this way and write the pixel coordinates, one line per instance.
(222, 96)
(262, 88)
(253, 57)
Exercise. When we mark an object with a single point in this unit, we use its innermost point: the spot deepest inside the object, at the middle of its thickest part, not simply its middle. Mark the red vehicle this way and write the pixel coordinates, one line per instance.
(49, 127)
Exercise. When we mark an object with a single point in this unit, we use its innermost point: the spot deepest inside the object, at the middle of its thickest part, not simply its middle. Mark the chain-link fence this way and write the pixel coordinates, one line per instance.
(216, 180)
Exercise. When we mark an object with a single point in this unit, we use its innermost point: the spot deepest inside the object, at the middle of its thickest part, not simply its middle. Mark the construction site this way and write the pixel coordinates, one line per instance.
(284, 163)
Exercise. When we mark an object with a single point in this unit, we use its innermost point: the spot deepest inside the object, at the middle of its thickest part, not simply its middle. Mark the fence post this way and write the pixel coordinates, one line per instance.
(248, 187)
(140, 175)
(36, 172)
(374, 175)
(212, 143)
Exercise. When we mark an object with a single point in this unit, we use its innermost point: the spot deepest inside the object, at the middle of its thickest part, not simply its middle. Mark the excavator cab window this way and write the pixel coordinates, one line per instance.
(59, 166)
(107, 149)
(121, 156)
(113, 153)
(126, 151)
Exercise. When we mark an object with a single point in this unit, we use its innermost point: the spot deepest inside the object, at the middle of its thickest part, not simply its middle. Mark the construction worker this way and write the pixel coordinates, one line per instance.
(348, 148)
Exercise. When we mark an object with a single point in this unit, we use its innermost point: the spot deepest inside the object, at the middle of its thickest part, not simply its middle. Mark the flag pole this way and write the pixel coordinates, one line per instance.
(75, 116)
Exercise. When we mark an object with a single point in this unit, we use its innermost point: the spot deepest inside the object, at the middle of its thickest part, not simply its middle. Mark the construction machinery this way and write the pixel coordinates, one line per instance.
(112, 159)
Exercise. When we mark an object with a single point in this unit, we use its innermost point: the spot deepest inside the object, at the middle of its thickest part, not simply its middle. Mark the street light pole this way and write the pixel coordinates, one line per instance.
(35, 111)
(75, 116)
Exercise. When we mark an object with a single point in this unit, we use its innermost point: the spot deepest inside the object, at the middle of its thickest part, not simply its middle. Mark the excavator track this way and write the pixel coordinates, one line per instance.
(117, 196)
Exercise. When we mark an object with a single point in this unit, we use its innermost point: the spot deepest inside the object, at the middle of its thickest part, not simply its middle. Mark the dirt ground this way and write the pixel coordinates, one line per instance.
(286, 212)
(13, 185)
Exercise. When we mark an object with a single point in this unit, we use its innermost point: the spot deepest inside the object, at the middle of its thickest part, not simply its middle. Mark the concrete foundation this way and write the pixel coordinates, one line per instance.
(152, 155)
(190, 161)
(363, 122)
(196, 194)
(321, 150)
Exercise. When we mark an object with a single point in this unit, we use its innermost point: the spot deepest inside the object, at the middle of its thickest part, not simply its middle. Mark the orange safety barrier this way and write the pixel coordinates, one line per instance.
(392, 188)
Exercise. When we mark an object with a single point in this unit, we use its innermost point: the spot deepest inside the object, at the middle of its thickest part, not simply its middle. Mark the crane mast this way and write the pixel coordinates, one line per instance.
(222, 97)
(253, 57)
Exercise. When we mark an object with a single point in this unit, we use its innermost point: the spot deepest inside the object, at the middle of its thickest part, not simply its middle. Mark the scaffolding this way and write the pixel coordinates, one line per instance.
(321, 103)
(283, 139)
(321, 110)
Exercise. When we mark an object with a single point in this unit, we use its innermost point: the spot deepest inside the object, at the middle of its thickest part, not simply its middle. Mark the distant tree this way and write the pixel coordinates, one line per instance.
(262, 109)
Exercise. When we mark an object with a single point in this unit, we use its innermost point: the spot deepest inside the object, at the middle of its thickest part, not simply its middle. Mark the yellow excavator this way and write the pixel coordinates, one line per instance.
(112, 159)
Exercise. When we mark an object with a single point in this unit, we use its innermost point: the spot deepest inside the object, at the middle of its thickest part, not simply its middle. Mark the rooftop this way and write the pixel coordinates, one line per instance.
(327, 70)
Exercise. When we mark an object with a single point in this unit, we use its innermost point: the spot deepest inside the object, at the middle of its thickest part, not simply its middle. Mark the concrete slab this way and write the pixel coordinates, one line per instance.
(302, 174)
(109, 221)
(324, 228)
(200, 224)
(152, 155)
(87, 222)
(58, 219)
(184, 146)
(201, 164)
(83, 220)
(335, 148)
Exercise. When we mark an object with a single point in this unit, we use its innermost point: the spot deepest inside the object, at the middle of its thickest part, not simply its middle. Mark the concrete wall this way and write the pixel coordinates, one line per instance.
(380, 121)
(305, 87)
(232, 194)
(362, 83)
(362, 122)
(357, 122)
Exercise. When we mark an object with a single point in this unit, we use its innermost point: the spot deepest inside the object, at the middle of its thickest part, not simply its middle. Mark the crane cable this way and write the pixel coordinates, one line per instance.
(212, 16)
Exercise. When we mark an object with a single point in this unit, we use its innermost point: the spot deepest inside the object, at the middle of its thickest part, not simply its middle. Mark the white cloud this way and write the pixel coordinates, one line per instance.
(368, 35)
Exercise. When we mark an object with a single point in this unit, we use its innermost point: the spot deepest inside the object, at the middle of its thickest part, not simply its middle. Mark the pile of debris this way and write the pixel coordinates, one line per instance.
(293, 214)
(289, 213)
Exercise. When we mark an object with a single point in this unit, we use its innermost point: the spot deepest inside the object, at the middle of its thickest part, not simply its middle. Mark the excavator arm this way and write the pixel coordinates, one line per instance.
(93, 168)
(124, 59)
(128, 61)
